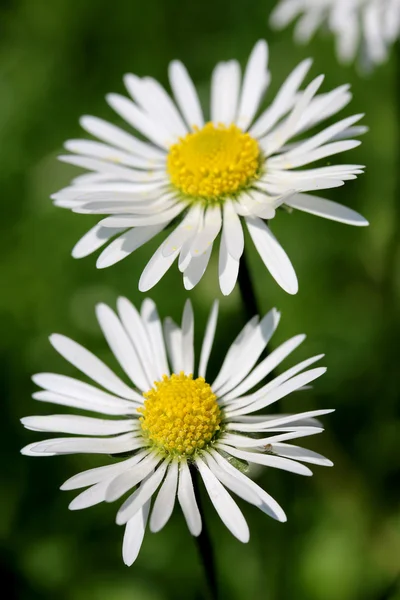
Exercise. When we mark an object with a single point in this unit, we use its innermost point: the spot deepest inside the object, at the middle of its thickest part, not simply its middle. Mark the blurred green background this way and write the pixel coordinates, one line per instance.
(342, 541)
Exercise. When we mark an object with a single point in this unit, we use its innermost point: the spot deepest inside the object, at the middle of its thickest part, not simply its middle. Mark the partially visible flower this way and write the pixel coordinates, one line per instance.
(211, 176)
(169, 421)
(368, 26)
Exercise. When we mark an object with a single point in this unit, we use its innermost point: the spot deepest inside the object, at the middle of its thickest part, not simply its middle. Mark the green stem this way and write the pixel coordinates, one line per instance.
(204, 544)
(246, 288)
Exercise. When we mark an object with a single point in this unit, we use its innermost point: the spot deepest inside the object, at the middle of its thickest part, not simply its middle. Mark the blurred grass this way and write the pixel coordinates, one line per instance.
(342, 540)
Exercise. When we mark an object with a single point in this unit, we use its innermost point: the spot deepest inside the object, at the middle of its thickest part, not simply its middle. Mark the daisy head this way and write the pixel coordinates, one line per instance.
(198, 178)
(367, 28)
(170, 420)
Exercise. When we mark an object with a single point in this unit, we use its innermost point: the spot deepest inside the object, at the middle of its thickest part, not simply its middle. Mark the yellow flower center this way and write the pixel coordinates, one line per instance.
(214, 161)
(180, 414)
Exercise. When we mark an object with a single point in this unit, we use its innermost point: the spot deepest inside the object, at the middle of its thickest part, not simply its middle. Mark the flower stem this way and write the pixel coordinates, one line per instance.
(204, 545)
(247, 289)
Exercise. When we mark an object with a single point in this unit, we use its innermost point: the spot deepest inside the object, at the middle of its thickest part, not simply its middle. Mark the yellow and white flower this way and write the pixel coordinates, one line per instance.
(365, 27)
(170, 420)
(210, 175)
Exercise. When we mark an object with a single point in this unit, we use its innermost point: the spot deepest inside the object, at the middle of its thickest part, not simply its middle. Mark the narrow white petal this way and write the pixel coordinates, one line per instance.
(90, 497)
(228, 268)
(94, 239)
(141, 495)
(77, 425)
(173, 340)
(232, 231)
(118, 137)
(143, 123)
(127, 243)
(92, 476)
(196, 269)
(153, 326)
(231, 482)
(133, 324)
(134, 534)
(272, 255)
(208, 232)
(121, 346)
(184, 231)
(251, 351)
(327, 209)
(225, 85)
(255, 81)
(185, 94)
(187, 499)
(298, 453)
(266, 366)
(188, 338)
(165, 501)
(268, 460)
(126, 480)
(208, 339)
(90, 365)
(268, 504)
(109, 153)
(226, 507)
(156, 268)
(242, 424)
(91, 398)
(80, 445)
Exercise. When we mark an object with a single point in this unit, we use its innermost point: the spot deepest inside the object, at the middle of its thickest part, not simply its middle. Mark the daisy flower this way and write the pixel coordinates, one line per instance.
(204, 177)
(369, 25)
(169, 421)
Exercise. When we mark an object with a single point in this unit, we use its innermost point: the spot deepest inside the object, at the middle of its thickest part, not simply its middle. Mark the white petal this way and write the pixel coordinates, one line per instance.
(280, 392)
(267, 460)
(134, 534)
(188, 338)
(90, 365)
(327, 209)
(208, 339)
(275, 421)
(140, 120)
(298, 453)
(165, 501)
(77, 424)
(234, 351)
(256, 79)
(225, 85)
(196, 269)
(141, 495)
(94, 239)
(266, 366)
(185, 94)
(283, 102)
(129, 478)
(208, 232)
(117, 137)
(90, 497)
(184, 231)
(133, 324)
(126, 244)
(173, 339)
(187, 499)
(232, 483)
(80, 445)
(92, 476)
(153, 326)
(82, 395)
(232, 231)
(251, 351)
(156, 268)
(109, 153)
(268, 504)
(228, 268)
(272, 255)
(224, 504)
(121, 346)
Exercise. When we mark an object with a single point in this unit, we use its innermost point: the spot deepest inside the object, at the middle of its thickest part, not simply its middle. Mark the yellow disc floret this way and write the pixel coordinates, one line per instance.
(180, 414)
(214, 161)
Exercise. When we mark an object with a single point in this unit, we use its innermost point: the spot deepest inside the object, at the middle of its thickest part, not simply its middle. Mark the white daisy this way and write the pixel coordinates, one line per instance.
(211, 176)
(168, 421)
(370, 25)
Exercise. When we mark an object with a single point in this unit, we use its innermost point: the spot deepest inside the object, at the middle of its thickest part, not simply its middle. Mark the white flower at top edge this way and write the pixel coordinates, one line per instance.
(210, 176)
(366, 26)
(170, 420)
